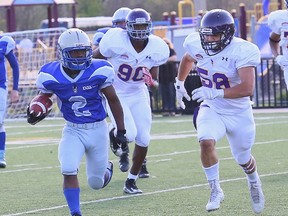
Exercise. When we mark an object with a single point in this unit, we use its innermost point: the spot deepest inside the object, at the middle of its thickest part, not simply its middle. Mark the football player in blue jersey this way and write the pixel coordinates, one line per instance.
(118, 21)
(82, 86)
(7, 46)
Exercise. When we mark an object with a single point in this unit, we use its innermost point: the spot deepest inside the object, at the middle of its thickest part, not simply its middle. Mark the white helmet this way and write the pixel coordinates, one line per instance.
(71, 40)
(120, 16)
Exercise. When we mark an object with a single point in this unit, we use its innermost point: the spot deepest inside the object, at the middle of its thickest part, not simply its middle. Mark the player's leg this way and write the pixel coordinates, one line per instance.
(141, 112)
(122, 151)
(3, 104)
(99, 170)
(241, 140)
(70, 153)
(210, 128)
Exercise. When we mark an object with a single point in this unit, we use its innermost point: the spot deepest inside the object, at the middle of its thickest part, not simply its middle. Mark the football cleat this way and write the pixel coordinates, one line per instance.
(130, 187)
(257, 196)
(107, 178)
(143, 171)
(124, 162)
(216, 197)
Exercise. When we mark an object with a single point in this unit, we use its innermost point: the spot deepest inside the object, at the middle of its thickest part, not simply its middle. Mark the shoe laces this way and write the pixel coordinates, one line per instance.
(124, 158)
(214, 190)
(255, 193)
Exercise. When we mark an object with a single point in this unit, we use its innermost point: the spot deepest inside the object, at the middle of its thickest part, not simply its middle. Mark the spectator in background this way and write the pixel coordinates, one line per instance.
(277, 21)
(167, 74)
(7, 46)
(25, 50)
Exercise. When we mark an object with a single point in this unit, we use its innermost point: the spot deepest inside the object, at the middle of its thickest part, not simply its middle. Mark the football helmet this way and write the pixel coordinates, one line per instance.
(216, 22)
(74, 40)
(286, 3)
(136, 20)
(119, 17)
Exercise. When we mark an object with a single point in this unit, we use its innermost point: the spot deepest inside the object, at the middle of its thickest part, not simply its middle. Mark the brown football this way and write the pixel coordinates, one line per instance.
(41, 104)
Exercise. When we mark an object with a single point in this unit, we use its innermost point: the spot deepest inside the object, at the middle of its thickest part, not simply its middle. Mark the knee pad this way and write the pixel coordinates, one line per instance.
(95, 182)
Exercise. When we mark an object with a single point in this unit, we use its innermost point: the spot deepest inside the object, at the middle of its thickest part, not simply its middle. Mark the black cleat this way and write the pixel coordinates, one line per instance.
(109, 177)
(124, 162)
(130, 187)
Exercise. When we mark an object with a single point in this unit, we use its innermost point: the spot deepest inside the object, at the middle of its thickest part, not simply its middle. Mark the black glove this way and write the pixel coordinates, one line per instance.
(32, 119)
(122, 141)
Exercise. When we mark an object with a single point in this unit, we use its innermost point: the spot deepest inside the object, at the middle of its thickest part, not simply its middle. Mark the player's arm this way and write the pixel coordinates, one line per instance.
(97, 54)
(274, 40)
(117, 111)
(115, 106)
(185, 66)
(15, 72)
(246, 87)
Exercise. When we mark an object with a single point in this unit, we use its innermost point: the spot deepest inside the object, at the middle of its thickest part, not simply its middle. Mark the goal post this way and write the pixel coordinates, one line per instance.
(33, 49)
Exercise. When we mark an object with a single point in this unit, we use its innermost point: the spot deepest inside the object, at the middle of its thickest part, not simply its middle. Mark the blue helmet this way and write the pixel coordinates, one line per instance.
(216, 22)
(119, 17)
(138, 17)
(73, 40)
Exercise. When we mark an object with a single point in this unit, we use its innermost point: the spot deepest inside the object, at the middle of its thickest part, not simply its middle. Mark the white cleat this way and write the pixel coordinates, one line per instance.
(257, 196)
(216, 197)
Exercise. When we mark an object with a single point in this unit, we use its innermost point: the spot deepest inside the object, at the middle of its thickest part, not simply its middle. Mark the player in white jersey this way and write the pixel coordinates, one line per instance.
(134, 53)
(226, 66)
(278, 40)
(80, 85)
(7, 46)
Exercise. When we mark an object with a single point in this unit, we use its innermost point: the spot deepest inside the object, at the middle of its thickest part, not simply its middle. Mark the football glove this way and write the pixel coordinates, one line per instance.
(180, 93)
(119, 144)
(147, 78)
(203, 93)
(32, 118)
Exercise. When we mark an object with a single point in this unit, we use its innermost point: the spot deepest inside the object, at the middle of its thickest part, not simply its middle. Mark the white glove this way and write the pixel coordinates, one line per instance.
(180, 93)
(282, 60)
(203, 93)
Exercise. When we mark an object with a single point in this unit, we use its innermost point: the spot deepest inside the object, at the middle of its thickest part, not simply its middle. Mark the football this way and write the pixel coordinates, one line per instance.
(41, 104)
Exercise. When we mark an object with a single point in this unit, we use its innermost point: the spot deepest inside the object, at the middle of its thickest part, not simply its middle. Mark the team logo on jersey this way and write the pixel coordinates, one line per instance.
(224, 58)
(199, 56)
(124, 56)
(74, 88)
(88, 87)
(148, 57)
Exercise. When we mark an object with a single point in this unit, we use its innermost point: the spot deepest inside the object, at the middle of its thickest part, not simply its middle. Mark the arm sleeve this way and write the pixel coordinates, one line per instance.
(15, 68)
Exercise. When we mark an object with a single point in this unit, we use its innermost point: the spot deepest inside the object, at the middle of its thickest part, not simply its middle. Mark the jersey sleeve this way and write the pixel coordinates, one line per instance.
(272, 22)
(10, 43)
(249, 55)
(192, 44)
(162, 51)
(110, 43)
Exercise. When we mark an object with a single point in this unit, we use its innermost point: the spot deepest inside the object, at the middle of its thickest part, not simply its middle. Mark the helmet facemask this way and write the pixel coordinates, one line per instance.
(76, 63)
(74, 49)
(225, 32)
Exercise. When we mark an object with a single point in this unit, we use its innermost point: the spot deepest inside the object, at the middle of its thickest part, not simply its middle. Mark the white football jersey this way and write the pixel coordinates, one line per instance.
(117, 48)
(220, 71)
(278, 22)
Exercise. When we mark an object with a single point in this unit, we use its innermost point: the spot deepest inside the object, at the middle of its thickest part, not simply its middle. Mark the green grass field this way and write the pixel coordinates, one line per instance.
(32, 184)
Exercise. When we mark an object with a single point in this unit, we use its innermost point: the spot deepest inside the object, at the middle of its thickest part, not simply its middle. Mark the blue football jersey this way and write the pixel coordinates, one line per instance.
(80, 99)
